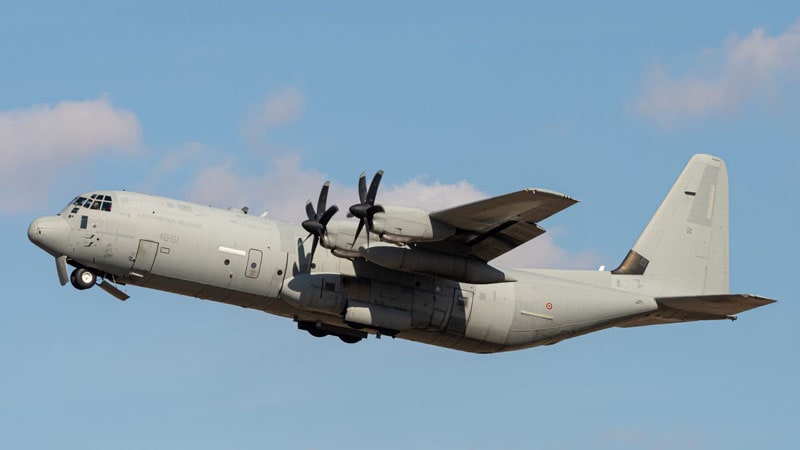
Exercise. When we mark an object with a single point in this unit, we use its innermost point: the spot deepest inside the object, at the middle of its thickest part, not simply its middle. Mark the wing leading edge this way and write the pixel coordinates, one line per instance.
(491, 227)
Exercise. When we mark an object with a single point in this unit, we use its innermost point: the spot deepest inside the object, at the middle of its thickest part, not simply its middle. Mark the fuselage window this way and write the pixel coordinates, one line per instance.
(106, 205)
(84, 222)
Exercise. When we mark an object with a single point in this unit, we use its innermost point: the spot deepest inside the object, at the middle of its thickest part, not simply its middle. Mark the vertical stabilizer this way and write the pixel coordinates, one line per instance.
(684, 248)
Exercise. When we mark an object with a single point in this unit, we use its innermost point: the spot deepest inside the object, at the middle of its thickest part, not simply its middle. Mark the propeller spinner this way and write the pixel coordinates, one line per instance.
(366, 208)
(317, 222)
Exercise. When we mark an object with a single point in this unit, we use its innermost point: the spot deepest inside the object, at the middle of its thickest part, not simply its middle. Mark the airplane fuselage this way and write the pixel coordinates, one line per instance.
(231, 257)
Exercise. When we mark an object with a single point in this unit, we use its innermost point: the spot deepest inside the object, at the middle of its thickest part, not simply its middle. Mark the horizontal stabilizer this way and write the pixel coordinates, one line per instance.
(720, 305)
(698, 307)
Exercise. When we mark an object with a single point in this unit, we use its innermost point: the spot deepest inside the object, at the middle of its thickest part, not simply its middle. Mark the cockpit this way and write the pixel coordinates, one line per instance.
(101, 202)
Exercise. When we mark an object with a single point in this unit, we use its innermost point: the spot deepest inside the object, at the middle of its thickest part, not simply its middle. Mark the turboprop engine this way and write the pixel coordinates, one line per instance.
(401, 225)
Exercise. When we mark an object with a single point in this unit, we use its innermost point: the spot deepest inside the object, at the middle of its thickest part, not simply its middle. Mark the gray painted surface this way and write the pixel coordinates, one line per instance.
(230, 257)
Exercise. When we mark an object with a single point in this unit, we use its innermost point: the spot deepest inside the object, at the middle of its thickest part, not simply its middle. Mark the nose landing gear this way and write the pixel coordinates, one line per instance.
(83, 279)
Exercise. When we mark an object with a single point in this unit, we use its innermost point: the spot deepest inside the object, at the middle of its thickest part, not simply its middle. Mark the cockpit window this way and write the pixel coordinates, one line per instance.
(99, 202)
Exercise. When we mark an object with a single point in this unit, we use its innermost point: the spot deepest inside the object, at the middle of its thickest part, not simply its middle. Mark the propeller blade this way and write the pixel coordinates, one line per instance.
(323, 198)
(326, 217)
(317, 222)
(362, 187)
(313, 249)
(310, 210)
(358, 231)
(373, 187)
(366, 208)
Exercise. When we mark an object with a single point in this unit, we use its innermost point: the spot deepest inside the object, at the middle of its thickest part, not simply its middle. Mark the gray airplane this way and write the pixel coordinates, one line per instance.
(407, 272)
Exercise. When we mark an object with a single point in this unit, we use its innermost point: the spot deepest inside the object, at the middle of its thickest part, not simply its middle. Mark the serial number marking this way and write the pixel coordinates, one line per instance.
(171, 238)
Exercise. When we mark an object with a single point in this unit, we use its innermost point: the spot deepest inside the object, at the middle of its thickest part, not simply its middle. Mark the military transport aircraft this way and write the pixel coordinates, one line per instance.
(406, 272)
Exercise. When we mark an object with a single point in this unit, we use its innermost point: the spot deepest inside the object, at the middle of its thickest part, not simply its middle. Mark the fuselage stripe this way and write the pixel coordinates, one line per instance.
(533, 314)
(232, 251)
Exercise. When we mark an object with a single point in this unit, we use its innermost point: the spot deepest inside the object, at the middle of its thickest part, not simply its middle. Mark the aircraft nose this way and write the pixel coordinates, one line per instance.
(50, 233)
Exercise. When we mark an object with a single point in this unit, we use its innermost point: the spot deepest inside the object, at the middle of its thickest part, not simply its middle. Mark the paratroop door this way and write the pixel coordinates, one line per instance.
(145, 256)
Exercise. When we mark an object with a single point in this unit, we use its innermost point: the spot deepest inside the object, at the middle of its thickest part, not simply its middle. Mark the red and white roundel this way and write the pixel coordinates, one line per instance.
(548, 305)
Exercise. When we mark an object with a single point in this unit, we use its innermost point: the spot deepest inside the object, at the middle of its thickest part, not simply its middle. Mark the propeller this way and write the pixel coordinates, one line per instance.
(366, 209)
(317, 222)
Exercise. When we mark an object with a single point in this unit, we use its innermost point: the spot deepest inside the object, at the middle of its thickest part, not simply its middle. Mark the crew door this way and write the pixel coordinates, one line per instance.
(145, 256)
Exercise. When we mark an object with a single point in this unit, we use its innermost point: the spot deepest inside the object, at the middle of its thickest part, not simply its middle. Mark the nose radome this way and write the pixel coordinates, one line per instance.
(50, 233)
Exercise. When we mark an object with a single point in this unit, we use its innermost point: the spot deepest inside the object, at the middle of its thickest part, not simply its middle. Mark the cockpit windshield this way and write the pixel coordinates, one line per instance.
(100, 202)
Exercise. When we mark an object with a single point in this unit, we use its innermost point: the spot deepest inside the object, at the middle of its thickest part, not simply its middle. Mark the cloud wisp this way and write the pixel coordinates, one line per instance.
(742, 69)
(278, 108)
(36, 141)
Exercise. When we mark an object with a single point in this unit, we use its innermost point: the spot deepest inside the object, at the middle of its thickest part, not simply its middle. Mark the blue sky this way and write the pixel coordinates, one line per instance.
(258, 103)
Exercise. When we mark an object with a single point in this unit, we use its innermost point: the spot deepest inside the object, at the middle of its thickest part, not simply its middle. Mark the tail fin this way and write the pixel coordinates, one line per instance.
(684, 248)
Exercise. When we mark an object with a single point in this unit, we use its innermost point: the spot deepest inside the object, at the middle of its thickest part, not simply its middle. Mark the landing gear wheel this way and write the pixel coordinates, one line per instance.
(317, 333)
(82, 279)
(349, 339)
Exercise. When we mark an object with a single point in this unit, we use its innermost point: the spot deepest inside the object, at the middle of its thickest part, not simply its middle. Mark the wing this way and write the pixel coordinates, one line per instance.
(488, 228)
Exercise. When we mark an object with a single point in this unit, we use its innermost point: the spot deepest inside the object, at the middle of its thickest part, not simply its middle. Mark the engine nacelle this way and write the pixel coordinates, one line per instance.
(339, 239)
(401, 225)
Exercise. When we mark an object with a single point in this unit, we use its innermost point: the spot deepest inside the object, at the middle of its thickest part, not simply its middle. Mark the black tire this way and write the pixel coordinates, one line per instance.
(83, 279)
(317, 333)
(349, 339)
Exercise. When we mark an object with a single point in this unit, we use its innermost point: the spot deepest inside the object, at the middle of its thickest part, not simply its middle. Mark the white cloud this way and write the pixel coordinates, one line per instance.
(431, 196)
(45, 134)
(282, 189)
(36, 141)
(543, 253)
(756, 66)
(278, 108)
(176, 160)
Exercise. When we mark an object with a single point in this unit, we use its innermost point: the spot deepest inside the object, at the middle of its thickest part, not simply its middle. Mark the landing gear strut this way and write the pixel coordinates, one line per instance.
(82, 278)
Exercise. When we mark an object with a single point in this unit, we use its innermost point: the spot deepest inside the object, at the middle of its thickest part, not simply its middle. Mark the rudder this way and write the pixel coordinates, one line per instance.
(684, 248)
